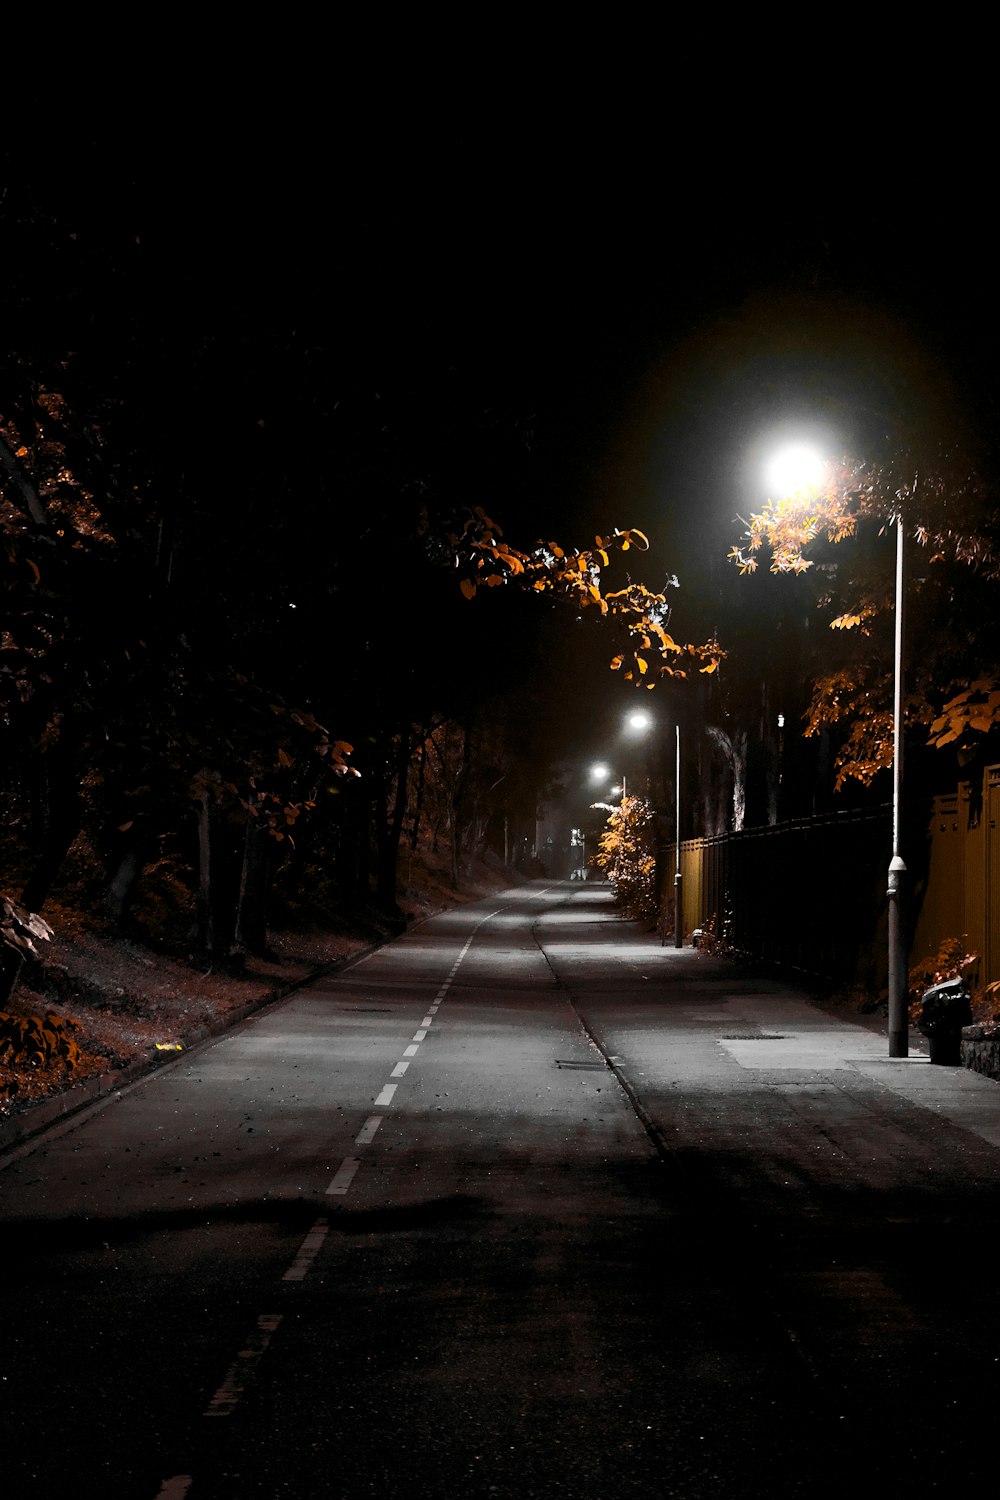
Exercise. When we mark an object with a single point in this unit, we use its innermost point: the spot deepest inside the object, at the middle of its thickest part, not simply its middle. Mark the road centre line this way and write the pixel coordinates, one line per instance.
(385, 1097)
(229, 1393)
(366, 1134)
(227, 1396)
(176, 1487)
(344, 1174)
(308, 1251)
(349, 1166)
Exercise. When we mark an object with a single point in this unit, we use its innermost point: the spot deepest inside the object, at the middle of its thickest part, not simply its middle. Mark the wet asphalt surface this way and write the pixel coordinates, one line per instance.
(521, 1204)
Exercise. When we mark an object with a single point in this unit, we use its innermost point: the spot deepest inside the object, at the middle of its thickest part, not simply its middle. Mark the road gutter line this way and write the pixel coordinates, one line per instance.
(665, 1152)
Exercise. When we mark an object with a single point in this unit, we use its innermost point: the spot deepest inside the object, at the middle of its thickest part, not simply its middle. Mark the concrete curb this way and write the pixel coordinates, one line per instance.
(15, 1130)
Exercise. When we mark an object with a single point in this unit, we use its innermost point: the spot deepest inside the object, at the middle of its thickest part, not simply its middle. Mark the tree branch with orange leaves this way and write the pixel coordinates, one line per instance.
(485, 559)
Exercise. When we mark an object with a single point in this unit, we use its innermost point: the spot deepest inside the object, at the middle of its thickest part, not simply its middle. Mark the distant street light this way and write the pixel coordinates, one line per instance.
(641, 720)
(796, 473)
(601, 772)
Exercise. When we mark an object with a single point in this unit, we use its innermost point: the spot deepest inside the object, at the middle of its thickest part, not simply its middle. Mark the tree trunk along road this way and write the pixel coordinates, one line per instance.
(522, 1204)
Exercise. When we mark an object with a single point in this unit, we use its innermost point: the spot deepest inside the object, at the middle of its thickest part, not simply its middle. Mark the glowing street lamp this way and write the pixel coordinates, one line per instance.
(796, 473)
(600, 773)
(640, 720)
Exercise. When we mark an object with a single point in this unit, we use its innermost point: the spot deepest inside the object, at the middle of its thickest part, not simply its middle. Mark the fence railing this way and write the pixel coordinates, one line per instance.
(809, 893)
(812, 893)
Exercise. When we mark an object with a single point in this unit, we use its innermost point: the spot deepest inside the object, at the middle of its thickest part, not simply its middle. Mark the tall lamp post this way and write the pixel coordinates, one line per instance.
(678, 876)
(899, 1036)
(796, 471)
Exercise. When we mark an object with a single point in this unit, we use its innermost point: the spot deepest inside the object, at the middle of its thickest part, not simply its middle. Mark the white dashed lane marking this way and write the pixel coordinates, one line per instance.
(366, 1134)
(241, 1370)
(308, 1251)
(344, 1174)
(242, 1367)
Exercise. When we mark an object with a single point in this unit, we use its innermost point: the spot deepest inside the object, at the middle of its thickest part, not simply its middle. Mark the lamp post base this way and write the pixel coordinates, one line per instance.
(899, 1029)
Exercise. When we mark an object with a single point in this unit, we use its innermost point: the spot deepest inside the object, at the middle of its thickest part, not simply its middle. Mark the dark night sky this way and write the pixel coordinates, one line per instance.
(658, 304)
(659, 283)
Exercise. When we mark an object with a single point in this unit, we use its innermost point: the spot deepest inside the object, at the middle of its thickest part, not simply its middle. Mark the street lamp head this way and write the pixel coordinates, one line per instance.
(796, 472)
(639, 721)
(599, 772)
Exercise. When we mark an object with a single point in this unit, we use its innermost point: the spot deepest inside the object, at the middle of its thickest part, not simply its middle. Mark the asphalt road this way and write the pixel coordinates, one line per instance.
(521, 1204)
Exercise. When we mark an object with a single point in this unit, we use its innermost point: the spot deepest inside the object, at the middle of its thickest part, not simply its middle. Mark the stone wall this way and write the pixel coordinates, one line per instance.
(981, 1050)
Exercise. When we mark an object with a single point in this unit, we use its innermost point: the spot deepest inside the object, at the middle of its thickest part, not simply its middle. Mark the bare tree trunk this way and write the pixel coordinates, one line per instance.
(453, 822)
(739, 779)
(421, 782)
(21, 482)
(59, 815)
(220, 865)
(121, 887)
(10, 969)
(391, 829)
(250, 934)
(204, 926)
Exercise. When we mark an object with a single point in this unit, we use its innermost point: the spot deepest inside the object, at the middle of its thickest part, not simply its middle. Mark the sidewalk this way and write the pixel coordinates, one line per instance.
(680, 1018)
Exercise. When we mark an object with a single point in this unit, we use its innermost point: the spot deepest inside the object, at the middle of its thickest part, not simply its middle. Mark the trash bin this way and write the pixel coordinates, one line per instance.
(944, 1010)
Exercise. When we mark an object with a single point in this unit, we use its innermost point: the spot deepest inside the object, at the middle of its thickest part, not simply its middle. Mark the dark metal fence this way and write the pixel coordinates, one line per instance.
(812, 893)
(809, 893)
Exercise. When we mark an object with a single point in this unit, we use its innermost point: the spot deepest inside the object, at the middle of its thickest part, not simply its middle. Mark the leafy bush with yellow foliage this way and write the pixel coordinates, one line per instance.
(627, 855)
